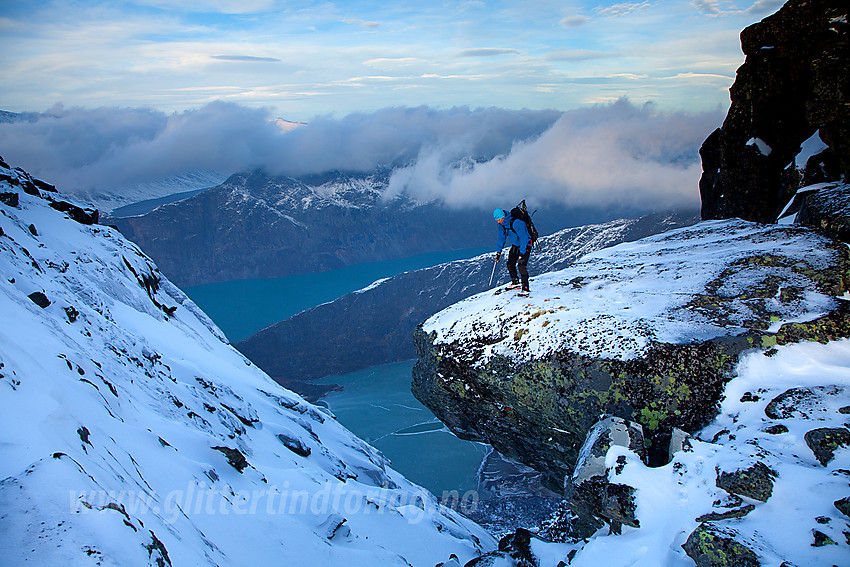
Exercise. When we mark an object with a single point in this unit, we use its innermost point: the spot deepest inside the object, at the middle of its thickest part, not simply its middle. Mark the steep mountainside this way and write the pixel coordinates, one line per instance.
(132, 434)
(374, 325)
(256, 226)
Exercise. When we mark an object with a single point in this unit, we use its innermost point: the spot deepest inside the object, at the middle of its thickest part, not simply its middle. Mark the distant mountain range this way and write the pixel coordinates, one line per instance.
(255, 225)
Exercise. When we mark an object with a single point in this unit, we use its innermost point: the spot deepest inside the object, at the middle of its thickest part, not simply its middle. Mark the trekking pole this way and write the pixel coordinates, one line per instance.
(492, 273)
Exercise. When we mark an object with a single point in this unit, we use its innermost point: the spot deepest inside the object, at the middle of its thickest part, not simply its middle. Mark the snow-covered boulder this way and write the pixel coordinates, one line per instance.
(133, 434)
(648, 331)
(593, 488)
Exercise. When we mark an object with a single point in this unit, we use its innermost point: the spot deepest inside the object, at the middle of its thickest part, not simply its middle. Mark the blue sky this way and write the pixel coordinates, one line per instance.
(305, 59)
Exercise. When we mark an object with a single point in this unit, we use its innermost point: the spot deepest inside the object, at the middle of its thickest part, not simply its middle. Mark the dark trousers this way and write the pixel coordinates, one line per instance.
(514, 259)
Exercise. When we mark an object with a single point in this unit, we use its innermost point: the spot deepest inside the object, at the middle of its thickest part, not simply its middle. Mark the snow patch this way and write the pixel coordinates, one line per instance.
(761, 145)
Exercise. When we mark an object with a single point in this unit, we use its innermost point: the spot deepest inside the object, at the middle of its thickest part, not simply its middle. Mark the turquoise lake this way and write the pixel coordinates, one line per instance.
(377, 406)
(241, 308)
(375, 403)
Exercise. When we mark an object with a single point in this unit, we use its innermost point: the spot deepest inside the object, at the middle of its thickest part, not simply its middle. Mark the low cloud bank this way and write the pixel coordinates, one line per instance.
(619, 155)
(616, 154)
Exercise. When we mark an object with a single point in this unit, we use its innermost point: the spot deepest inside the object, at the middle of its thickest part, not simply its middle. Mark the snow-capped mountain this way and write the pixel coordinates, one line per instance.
(112, 198)
(133, 434)
(256, 226)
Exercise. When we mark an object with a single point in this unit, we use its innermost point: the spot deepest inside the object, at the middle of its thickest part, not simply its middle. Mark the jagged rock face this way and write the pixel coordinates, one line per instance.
(374, 325)
(794, 82)
(593, 488)
(649, 332)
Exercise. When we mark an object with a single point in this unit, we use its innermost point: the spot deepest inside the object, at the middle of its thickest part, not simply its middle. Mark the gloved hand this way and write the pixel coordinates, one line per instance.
(498, 256)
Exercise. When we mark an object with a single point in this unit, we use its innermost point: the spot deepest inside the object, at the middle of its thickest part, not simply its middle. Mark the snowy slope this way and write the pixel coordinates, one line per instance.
(132, 434)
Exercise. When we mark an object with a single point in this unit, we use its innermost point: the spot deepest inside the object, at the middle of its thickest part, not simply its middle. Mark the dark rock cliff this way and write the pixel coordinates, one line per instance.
(374, 326)
(794, 83)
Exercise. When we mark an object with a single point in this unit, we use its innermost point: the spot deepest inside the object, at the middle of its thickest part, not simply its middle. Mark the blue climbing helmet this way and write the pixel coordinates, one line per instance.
(499, 214)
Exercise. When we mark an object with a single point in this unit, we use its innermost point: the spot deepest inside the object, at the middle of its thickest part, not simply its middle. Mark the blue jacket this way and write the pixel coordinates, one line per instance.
(517, 237)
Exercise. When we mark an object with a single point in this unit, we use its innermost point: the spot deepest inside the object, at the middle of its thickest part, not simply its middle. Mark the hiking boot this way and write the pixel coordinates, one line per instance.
(515, 285)
(524, 293)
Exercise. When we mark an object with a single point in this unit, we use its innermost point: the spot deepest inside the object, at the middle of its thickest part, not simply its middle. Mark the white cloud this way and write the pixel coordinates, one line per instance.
(212, 6)
(487, 52)
(616, 155)
(362, 23)
(89, 151)
(613, 155)
(245, 58)
(574, 21)
(706, 6)
(765, 6)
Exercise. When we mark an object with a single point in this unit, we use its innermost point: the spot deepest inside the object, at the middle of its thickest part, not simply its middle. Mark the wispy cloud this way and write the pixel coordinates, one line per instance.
(575, 55)
(487, 52)
(513, 54)
(245, 58)
(757, 8)
(361, 23)
(212, 6)
(623, 9)
(761, 7)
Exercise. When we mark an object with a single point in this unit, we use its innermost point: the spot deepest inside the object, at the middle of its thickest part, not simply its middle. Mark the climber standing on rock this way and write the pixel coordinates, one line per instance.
(515, 231)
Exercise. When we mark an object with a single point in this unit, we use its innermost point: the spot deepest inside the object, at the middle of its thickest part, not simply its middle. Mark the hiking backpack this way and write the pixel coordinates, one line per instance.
(521, 212)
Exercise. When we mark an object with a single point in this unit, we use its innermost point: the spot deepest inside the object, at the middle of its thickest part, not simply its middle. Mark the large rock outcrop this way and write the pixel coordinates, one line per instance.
(373, 326)
(794, 83)
(649, 332)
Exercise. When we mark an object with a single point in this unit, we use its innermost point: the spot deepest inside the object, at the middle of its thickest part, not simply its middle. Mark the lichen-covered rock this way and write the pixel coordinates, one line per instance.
(754, 482)
(793, 83)
(711, 546)
(649, 332)
(824, 441)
